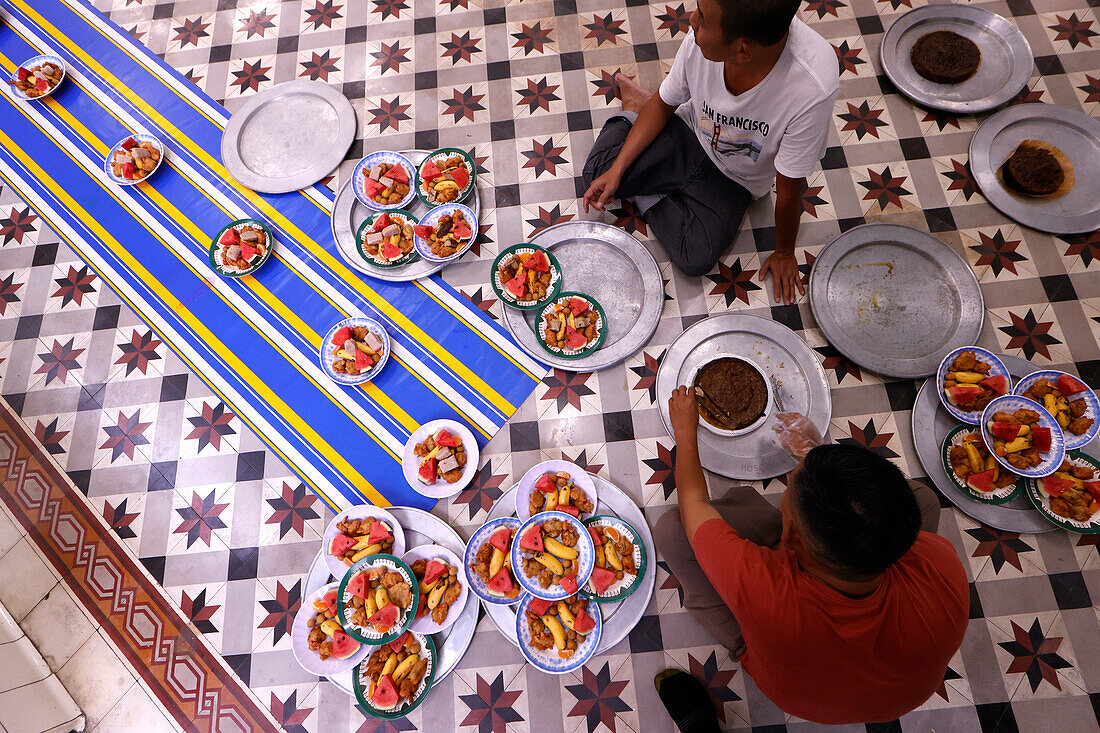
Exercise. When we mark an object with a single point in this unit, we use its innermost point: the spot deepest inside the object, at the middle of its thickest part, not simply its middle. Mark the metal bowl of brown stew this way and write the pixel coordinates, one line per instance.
(733, 395)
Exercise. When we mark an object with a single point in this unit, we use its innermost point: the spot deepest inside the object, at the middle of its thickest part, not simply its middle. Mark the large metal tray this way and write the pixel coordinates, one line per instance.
(1074, 133)
(931, 424)
(614, 268)
(421, 528)
(263, 145)
(348, 213)
(1005, 67)
(618, 618)
(798, 382)
(894, 299)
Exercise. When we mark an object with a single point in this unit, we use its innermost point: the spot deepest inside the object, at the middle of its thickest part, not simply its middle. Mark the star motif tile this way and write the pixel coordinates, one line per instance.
(200, 519)
(724, 680)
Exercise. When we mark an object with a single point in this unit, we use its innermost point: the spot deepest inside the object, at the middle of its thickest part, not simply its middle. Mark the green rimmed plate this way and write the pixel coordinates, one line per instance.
(369, 222)
(215, 248)
(367, 635)
(471, 168)
(1041, 499)
(401, 709)
(1000, 496)
(601, 326)
(620, 589)
(506, 297)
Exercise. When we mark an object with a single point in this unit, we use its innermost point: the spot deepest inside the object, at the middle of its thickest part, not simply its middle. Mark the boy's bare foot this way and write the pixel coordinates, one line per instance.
(632, 96)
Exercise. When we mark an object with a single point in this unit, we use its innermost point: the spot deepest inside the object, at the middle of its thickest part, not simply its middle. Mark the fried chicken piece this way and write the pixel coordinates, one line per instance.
(391, 579)
(1079, 426)
(537, 502)
(420, 567)
(580, 499)
(965, 362)
(1082, 472)
(546, 578)
(401, 594)
(1026, 417)
(453, 590)
(1077, 408)
(359, 333)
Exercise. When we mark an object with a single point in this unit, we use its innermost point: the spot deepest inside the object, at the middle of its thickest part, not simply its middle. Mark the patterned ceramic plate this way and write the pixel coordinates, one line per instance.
(548, 660)
(1092, 405)
(139, 137)
(506, 296)
(384, 157)
(1051, 459)
(998, 496)
(35, 61)
(328, 358)
(440, 155)
(367, 634)
(623, 587)
(1041, 499)
(526, 485)
(971, 417)
(424, 624)
(216, 248)
(479, 538)
(410, 462)
(432, 218)
(337, 566)
(367, 226)
(586, 557)
(362, 685)
(588, 348)
(299, 636)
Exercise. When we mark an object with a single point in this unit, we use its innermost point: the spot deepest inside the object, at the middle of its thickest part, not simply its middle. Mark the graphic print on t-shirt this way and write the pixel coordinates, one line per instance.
(732, 135)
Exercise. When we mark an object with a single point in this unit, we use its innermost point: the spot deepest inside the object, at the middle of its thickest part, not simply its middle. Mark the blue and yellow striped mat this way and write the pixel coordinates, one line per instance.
(254, 340)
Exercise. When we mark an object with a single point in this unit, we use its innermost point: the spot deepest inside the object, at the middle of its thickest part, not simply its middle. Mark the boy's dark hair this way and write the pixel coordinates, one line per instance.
(764, 21)
(856, 509)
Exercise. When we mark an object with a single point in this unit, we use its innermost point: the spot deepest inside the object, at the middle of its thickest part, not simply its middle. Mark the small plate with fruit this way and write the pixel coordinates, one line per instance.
(241, 247)
(382, 181)
(620, 559)
(974, 470)
(1023, 437)
(526, 277)
(355, 350)
(386, 238)
(970, 378)
(1070, 497)
(558, 636)
(358, 533)
(377, 598)
(396, 677)
(318, 639)
(488, 562)
(1069, 400)
(440, 458)
(553, 555)
(443, 587)
(560, 486)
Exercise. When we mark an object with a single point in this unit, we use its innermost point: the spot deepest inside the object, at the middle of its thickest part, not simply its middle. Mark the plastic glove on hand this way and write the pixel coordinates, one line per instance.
(797, 435)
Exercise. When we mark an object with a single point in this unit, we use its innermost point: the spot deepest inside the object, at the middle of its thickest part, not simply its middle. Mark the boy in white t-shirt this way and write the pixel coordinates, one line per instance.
(752, 89)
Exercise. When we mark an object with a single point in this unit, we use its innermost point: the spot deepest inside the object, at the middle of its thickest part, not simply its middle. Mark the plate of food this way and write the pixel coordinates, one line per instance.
(558, 637)
(560, 486)
(526, 276)
(571, 326)
(133, 159)
(358, 533)
(1069, 400)
(973, 469)
(446, 176)
(382, 181)
(442, 585)
(440, 458)
(971, 377)
(355, 350)
(318, 639)
(1022, 438)
(38, 77)
(386, 238)
(241, 247)
(620, 559)
(488, 562)
(553, 555)
(733, 395)
(1070, 497)
(377, 598)
(396, 677)
(446, 232)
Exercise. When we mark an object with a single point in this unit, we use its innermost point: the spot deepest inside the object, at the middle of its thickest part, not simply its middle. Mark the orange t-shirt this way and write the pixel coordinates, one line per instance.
(828, 658)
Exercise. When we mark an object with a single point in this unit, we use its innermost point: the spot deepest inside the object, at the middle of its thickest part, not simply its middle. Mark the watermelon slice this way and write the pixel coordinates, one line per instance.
(341, 336)
(545, 483)
(998, 384)
(423, 231)
(963, 394)
(461, 230)
(538, 262)
(517, 286)
(248, 251)
(399, 642)
(461, 176)
(357, 586)
(384, 618)
(129, 143)
(363, 362)
(569, 584)
(426, 474)
(381, 222)
(568, 510)
(230, 237)
(434, 571)
(1004, 430)
(391, 251)
(574, 339)
(532, 539)
(444, 438)
(1040, 438)
(1093, 487)
(330, 601)
(341, 543)
(23, 74)
(1068, 385)
(501, 582)
(378, 533)
(385, 693)
(602, 579)
(578, 306)
(1056, 486)
(421, 606)
(583, 623)
(127, 170)
(539, 606)
(343, 646)
(398, 174)
(41, 84)
(501, 539)
(429, 171)
(373, 187)
(981, 481)
(595, 536)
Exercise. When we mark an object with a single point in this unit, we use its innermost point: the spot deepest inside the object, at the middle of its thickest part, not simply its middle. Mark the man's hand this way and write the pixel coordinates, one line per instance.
(785, 276)
(602, 189)
(684, 415)
(797, 435)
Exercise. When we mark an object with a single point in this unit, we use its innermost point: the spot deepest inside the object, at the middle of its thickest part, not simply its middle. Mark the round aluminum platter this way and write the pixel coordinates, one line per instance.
(617, 271)
(1074, 133)
(1005, 67)
(348, 213)
(798, 384)
(931, 424)
(618, 618)
(894, 299)
(421, 528)
(263, 146)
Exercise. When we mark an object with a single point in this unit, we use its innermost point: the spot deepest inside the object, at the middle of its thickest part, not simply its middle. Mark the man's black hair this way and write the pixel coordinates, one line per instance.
(856, 509)
(764, 21)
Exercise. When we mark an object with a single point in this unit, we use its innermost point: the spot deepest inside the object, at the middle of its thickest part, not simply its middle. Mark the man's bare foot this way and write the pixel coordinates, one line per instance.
(632, 96)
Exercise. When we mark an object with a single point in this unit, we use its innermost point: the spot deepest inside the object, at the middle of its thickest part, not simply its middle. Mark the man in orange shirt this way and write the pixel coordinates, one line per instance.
(843, 606)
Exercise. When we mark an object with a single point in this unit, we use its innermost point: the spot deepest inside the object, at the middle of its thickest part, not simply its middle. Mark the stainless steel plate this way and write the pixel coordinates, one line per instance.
(264, 147)
(1005, 67)
(798, 382)
(348, 213)
(420, 528)
(614, 268)
(1074, 133)
(618, 618)
(931, 424)
(894, 299)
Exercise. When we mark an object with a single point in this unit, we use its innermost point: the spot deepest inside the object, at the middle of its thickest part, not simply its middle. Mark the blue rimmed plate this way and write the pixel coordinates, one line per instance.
(526, 485)
(327, 358)
(36, 61)
(549, 661)
(432, 217)
(585, 561)
(1051, 459)
(996, 366)
(1092, 409)
(139, 137)
(479, 538)
(368, 634)
(384, 157)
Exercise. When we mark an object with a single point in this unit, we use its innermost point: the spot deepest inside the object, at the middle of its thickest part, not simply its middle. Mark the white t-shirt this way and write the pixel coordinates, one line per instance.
(781, 124)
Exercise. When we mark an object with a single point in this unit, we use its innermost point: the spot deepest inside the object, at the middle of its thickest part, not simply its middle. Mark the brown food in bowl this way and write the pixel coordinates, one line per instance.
(735, 393)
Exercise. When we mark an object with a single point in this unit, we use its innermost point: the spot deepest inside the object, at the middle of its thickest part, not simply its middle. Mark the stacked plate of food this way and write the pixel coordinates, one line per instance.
(241, 247)
(440, 458)
(355, 350)
(526, 276)
(558, 636)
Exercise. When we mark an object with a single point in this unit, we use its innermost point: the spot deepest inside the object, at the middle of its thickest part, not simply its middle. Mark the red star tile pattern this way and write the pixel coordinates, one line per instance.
(733, 282)
(812, 198)
(1029, 334)
(389, 8)
(59, 361)
(49, 436)
(139, 351)
(119, 519)
(461, 48)
(999, 546)
(320, 66)
(483, 491)
(288, 714)
(869, 437)
(292, 509)
(1035, 655)
(537, 95)
(848, 58)
(8, 292)
(670, 582)
(323, 13)
(209, 427)
(251, 75)
(825, 7)
(190, 32)
(17, 223)
(884, 187)
(948, 675)
(258, 23)
(863, 119)
(716, 681)
(281, 609)
(598, 698)
(998, 253)
(961, 179)
(675, 20)
(201, 518)
(604, 29)
(548, 218)
(199, 612)
(647, 374)
(567, 388)
(1074, 30)
(463, 103)
(832, 360)
(491, 705)
(581, 459)
(605, 85)
(532, 38)
(389, 114)
(943, 120)
(390, 56)
(481, 299)
(1091, 88)
(75, 285)
(544, 157)
(662, 467)
(628, 218)
(1084, 246)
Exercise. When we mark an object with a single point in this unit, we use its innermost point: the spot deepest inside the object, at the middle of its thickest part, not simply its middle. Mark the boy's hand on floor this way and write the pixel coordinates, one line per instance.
(785, 276)
(602, 190)
(684, 415)
(796, 434)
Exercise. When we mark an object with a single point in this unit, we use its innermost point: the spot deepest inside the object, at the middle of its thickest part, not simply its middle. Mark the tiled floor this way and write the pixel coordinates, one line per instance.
(227, 532)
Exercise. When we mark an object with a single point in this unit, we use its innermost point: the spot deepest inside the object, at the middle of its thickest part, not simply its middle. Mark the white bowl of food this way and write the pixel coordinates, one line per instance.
(733, 394)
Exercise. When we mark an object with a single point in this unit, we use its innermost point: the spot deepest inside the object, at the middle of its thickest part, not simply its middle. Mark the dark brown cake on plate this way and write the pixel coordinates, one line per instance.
(945, 57)
(1032, 170)
(731, 393)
